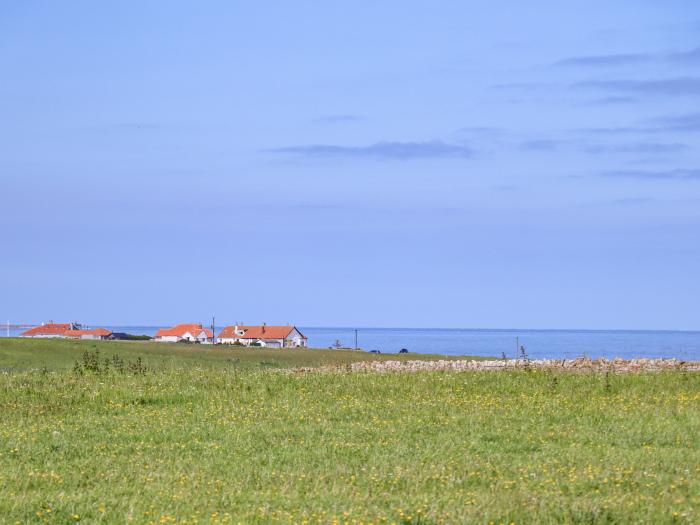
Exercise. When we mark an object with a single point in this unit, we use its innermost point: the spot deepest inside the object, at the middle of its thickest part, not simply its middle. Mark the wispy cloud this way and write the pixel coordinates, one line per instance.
(649, 148)
(337, 119)
(540, 145)
(618, 130)
(677, 174)
(130, 127)
(605, 60)
(524, 86)
(669, 86)
(629, 59)
(383, 150)
(688, 122)
(482, 131)
(631, 201)
(691, 56)
(609, 101)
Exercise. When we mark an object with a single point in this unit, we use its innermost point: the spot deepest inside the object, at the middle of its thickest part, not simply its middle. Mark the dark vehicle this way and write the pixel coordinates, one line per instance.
(121, 336)
(118, 336)
(403, 351)
(375, 351)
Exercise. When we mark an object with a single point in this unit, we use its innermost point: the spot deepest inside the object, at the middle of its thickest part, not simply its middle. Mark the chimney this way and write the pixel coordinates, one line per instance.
(263, 328)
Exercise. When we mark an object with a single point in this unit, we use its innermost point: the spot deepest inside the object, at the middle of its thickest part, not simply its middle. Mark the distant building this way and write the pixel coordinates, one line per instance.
(272, 336)
(194, 333)
(50, 329)
(95, 333)
(119, 336)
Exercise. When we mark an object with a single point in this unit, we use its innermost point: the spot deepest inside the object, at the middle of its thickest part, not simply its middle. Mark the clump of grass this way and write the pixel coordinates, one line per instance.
(61, 354)
(524, 358)
(607, 383)
(90, 362)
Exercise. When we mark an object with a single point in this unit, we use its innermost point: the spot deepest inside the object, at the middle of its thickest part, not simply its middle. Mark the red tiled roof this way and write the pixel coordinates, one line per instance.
(103, 332)
(181, 329)
(48, 329)
(257, 332)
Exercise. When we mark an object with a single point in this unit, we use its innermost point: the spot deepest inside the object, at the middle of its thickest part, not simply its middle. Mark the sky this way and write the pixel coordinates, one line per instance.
(368, 163)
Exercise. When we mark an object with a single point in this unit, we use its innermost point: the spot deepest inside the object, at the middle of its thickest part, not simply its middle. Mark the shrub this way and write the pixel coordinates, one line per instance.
(90, 363)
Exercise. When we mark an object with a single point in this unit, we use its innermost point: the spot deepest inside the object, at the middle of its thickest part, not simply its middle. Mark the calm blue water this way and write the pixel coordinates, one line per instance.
(556, 344)
(539, 344)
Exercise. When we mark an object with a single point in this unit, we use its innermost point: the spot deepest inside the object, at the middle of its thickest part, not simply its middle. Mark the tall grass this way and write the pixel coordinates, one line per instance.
(55, 354)
(256, 445)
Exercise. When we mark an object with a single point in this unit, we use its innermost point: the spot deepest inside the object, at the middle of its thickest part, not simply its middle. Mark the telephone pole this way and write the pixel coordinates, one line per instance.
(355, 338)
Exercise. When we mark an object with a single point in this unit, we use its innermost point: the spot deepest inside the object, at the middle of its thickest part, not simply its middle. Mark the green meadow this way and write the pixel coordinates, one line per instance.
(168, 434)
(58, 354)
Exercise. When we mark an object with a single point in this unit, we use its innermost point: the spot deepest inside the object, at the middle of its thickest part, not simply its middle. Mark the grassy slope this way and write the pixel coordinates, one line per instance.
(250, 445)
(22, 354)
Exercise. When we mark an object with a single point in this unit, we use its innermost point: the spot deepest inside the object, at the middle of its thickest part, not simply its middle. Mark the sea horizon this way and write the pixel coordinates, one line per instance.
(378, 327)
(538, 343)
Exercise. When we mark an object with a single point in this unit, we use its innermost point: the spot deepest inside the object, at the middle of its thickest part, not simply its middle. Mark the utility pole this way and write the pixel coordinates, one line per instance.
(355, 338)
(517, 346)
(213, 327)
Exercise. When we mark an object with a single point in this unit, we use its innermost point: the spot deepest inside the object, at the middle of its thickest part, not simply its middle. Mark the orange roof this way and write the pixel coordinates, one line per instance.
(258, 332)
(181, 329)
(49, 329)
(103, 332)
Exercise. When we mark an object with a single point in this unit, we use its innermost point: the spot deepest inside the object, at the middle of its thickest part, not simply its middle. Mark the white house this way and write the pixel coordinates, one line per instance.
(185, 332)
(272, 336)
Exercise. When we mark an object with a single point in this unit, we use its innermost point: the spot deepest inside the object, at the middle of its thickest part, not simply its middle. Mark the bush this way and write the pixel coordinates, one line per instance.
(90, 363)
(132, 337)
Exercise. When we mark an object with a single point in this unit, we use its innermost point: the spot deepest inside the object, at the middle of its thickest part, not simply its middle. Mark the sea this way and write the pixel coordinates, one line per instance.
(538, 344)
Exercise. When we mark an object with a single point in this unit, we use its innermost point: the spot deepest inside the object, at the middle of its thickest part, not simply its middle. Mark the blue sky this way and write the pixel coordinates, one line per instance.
(392, 163)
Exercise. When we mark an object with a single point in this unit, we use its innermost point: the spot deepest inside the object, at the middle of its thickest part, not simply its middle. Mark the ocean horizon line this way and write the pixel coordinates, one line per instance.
(413, 328)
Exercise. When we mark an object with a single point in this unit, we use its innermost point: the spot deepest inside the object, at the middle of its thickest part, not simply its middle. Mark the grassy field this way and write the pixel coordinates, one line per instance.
(54, 354)
(185, 443)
